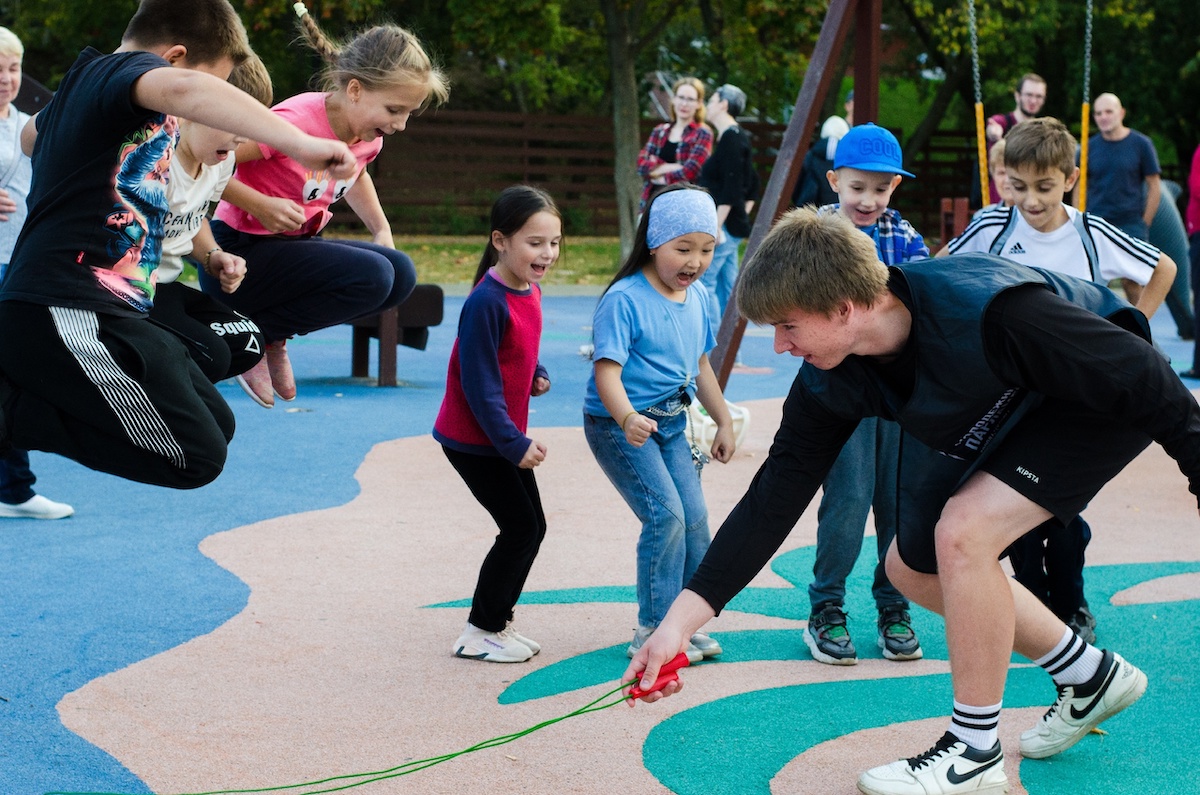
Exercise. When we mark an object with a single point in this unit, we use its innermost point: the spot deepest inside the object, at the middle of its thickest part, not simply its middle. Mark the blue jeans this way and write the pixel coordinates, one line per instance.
(721, 277)
(660, 483)
(862, 477)
(16, 479)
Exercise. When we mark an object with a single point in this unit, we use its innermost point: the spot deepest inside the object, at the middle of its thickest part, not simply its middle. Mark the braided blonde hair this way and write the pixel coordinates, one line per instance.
(383, 56)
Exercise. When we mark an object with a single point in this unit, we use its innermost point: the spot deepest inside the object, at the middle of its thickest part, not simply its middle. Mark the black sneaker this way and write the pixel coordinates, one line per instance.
(828, 639)
(1083, 624)
(951, 766)
(896, 636)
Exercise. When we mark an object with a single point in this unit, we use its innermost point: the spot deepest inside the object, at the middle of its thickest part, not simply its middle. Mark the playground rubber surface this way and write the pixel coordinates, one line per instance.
(293, 621)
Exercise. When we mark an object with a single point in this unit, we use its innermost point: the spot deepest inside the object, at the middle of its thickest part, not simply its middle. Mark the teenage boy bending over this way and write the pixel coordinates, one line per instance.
(88, 377)
(1021, 392)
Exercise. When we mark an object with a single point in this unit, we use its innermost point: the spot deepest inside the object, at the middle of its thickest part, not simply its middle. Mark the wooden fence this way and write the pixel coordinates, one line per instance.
(441, 175)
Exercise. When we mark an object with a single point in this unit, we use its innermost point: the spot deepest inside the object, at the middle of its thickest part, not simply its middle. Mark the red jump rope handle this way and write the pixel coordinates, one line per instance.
(667, 674)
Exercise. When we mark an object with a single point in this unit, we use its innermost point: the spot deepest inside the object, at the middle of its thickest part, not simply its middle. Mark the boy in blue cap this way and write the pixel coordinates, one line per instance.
(867, 167)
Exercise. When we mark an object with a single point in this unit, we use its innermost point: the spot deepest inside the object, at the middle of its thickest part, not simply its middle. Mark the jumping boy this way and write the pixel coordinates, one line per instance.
(91, 379)
(867, 169)
(1039, 157)
(1021, 392)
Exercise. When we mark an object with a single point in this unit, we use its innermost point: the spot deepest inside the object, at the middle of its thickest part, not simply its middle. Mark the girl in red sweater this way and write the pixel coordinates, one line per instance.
(482, 424)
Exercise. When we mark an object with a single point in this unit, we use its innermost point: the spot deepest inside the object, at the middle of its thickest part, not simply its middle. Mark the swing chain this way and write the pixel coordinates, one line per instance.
(1087, 55)
(975, 50)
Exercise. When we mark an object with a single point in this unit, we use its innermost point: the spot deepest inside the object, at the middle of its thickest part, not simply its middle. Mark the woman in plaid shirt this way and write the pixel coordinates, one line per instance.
(677, 149)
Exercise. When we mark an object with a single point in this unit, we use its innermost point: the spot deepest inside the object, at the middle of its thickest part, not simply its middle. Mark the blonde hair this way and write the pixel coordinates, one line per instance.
(10, 44)
(697, 84)
(251, 76)
(996, 155)
(811, 262)
(381, 57)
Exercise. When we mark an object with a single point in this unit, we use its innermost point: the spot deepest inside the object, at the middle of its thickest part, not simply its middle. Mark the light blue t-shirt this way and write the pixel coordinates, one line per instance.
(657, 342)
(20, 175)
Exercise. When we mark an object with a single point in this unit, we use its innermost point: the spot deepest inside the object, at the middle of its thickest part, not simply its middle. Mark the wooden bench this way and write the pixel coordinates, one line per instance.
(406, 324)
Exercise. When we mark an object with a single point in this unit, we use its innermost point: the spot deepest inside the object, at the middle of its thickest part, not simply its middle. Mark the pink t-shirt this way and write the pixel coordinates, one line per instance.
(279, 175)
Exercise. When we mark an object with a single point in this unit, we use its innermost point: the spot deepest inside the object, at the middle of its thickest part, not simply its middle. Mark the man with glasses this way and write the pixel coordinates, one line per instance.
(1030, 96)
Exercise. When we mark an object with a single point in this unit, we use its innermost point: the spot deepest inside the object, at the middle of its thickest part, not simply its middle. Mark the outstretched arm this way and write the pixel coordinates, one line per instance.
(211, 101)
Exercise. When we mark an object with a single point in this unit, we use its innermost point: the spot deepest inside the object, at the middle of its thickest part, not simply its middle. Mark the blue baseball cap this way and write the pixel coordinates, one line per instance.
(870, 148)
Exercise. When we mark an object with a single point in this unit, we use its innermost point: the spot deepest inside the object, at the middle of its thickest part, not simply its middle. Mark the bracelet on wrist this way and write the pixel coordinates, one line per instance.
(626, 419)
(208, 256)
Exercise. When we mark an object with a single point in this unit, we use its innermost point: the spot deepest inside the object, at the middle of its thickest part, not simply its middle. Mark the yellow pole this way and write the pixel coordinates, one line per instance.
(981, 145)
(1083, 152)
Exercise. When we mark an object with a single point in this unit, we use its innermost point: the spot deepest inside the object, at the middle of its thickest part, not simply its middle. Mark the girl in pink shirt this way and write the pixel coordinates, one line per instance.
(274, 209)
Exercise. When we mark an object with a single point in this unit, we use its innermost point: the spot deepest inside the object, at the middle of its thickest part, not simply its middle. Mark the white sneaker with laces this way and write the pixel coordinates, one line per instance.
(36, 507)
(948, 768)
(533, 645)
(479, 644)
(1080, 708)
(640, 634)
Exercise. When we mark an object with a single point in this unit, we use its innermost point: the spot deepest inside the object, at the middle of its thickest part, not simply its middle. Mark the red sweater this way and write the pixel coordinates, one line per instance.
(492, 368)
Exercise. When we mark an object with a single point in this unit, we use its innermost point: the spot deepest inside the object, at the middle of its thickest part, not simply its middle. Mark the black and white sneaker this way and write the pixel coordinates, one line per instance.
(827, 637)
(1080, 708)
(949, 767)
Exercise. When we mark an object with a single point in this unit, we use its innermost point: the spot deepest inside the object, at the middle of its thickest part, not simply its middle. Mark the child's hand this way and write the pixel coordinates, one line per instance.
(535, 455)
(230, 269)
(278, 215)
(724, 445)
(326, 154)
(541, 386)
(638, 428)
(7, 205)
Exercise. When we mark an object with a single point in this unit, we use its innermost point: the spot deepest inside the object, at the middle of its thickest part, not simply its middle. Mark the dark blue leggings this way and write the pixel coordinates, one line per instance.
(297, 285)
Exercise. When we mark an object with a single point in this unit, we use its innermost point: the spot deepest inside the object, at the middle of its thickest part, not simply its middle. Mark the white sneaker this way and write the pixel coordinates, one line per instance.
(36, 507)
(533, 645)
(709, 647)
(640, 634)
(1080, 708)
(479, 644)
(948, 768)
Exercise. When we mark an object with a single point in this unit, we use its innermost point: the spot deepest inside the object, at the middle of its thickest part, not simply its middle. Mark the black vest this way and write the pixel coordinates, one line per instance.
(958, 406)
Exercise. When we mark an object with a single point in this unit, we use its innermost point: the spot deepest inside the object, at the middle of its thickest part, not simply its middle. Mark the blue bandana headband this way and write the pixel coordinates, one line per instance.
(680, 212)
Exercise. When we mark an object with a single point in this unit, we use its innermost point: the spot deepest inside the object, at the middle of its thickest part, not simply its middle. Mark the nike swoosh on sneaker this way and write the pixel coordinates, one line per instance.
(1079, 714)
(954, 777)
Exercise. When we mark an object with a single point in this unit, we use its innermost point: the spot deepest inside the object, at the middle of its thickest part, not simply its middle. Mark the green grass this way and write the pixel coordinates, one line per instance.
(453, 260)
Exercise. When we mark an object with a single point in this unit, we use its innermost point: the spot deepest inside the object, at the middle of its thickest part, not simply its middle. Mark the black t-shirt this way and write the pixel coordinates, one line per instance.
(728, 175)
(93, 237)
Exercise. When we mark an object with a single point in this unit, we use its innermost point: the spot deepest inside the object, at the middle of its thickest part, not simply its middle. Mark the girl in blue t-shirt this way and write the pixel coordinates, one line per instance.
(482, 424)
(652, 334)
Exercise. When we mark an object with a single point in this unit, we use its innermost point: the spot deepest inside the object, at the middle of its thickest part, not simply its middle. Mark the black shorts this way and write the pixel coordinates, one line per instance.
(1059, 456)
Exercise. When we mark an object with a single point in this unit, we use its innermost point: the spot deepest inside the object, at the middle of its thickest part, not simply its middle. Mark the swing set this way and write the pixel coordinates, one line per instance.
(1085, 112)
(867, 18)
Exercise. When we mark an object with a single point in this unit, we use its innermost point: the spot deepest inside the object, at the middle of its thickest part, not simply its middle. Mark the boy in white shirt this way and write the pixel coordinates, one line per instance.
(223, 342)
(1039, 157)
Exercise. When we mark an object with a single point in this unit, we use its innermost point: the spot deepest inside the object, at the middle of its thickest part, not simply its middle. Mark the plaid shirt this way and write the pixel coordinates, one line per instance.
(895, 239)
(694, 149)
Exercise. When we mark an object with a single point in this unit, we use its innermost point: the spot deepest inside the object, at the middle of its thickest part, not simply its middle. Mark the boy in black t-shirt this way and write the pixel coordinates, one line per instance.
(90, 379)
